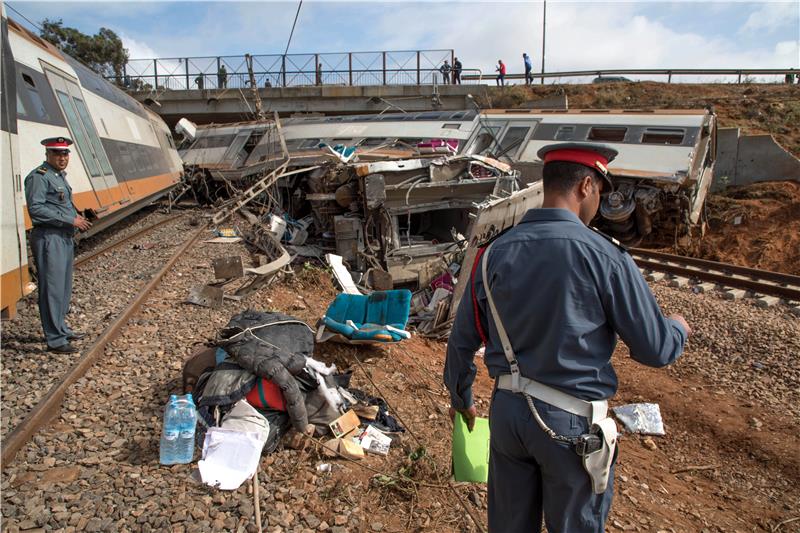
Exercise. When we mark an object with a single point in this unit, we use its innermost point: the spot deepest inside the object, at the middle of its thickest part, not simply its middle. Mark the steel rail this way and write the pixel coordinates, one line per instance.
(49, 406)
(753, 273)
(771, 283)
(91, 255)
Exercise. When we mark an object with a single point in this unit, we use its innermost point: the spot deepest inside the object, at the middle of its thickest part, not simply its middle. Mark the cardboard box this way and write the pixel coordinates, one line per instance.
(344, 424)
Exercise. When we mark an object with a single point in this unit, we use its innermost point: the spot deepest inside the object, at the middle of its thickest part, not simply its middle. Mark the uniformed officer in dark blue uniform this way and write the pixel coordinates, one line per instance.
(54, 218)
(562, 292)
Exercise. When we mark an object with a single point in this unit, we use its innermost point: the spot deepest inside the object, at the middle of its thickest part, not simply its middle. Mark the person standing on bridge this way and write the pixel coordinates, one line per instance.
(457, 68)
(222, 77)
(501, 73)
(445, 70)
(547, 299)
(54, 217)
(200, 81)
(528, 68)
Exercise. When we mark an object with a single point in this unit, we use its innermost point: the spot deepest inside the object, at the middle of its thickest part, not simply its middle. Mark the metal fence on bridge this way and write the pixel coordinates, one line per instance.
(406, 67)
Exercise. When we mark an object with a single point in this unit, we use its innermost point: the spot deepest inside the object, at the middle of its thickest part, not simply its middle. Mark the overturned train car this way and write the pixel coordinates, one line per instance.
(123, 158)
(662, 174)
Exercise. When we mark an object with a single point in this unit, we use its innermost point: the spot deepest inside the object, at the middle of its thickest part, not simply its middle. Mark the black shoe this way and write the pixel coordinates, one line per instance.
(76, 336)
(64, 348)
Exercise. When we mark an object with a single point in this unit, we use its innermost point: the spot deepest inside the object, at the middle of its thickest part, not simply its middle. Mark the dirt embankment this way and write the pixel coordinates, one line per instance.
(754, 107)
(757, 226)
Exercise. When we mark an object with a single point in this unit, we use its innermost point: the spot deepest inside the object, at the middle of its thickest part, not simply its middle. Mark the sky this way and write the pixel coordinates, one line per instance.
(579, 35)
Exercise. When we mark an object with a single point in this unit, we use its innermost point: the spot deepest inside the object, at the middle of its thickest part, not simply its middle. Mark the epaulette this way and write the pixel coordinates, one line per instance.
(42, 170)
(610, 239)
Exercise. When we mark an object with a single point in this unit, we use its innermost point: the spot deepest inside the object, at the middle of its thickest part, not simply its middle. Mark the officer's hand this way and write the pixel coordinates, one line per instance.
(469, 415)
(682, 321)
(81, 223)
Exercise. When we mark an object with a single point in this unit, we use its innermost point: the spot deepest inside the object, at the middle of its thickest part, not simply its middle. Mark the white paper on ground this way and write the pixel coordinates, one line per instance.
(230, 457)
(375, 441)
(342, 274)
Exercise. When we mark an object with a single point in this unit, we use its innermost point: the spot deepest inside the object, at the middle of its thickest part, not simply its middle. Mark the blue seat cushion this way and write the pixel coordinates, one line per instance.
(370, 314)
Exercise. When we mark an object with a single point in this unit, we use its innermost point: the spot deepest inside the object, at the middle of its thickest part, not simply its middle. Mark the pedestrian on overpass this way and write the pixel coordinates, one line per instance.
(55, 219)
(222, 77)
(445, 70)
(501, 73)
(457, 68)
(528, 68)
(547, 298)
(200, 81)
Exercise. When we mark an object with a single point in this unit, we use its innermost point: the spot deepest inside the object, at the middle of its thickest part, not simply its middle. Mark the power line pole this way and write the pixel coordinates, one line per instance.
(544, 28)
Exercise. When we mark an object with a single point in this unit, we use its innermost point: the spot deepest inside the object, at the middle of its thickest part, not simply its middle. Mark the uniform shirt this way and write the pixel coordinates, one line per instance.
(49, 198)
(562, 291)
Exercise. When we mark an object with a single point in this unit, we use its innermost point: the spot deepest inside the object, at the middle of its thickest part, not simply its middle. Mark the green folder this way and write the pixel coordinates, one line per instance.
(471, 450)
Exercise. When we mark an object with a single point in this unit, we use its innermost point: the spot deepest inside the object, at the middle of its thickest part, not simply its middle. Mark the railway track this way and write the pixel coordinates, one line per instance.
(119, 242)
(759, 282)
(48, 406)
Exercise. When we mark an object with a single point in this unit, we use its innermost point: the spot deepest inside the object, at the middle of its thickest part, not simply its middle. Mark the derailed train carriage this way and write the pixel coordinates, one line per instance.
(662, 174)
(123, 158)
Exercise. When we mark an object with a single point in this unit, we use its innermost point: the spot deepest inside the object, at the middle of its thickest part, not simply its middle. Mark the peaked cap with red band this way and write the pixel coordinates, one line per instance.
(57, 143)
(594, 156)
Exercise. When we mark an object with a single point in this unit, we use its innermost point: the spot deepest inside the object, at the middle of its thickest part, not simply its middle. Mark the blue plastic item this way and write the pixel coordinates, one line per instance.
(366, 317)
(168, 448)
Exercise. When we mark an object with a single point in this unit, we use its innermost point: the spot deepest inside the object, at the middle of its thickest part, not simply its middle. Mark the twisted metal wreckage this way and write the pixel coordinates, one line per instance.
(405, 200)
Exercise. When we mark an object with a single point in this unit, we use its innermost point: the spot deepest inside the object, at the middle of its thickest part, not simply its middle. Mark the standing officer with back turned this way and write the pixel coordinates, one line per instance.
(548, 298)
(54, 218)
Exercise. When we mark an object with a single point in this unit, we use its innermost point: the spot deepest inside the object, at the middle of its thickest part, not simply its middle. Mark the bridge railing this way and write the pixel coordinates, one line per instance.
(404, 67)
(583, 76)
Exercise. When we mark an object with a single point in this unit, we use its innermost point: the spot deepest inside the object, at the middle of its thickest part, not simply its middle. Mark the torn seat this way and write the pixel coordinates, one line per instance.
(366, 319)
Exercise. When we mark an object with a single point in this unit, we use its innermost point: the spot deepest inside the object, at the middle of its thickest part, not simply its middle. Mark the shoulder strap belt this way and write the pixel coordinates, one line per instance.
(515, 382)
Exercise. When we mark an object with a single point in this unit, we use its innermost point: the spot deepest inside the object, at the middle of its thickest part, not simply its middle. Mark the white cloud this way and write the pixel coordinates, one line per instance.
(772, 16)
(137, 49)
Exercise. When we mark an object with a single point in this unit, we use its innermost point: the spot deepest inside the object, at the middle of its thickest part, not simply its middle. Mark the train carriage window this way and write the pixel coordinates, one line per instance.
(607, 133)
(20, 107)
(663, 136)
(451, 126)
(212, 141)
(375, 141)
(95, 140)
(84, 147)
(512, 139)
(565, 133)
(308, 144)
(38, 106)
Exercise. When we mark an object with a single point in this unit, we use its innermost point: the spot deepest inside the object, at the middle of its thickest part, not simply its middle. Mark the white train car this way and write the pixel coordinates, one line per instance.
(123, 158)
(661, 176)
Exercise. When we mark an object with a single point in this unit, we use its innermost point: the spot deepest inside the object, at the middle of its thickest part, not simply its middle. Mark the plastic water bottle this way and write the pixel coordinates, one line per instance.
(169, 433)
(187, 422)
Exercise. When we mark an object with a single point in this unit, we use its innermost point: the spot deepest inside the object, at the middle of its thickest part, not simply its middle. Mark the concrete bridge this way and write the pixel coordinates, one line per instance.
(236, 104)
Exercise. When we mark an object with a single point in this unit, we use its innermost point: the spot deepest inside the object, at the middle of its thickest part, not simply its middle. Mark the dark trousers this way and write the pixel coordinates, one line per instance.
(532, 476)
(501, 79)
(456, 77)
(528, 77)
(53, 253)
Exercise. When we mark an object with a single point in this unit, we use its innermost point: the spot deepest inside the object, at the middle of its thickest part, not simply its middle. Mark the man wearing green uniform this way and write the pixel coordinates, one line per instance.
(54, 218)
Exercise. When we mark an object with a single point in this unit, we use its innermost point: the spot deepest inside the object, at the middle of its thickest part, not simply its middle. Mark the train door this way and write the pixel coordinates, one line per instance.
(84, 134)
(232, 154)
